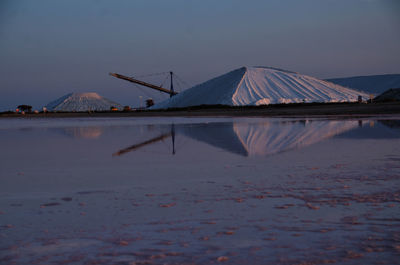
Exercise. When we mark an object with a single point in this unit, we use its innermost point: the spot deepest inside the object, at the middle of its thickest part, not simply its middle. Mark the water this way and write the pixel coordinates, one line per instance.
(200, 190)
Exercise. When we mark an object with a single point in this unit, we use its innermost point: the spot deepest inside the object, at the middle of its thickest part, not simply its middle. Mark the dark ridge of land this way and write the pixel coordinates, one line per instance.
(281, 110)
(392, 94)
(375, 84)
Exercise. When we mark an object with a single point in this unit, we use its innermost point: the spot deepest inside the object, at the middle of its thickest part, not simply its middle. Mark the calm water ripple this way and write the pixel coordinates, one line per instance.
(200, 191)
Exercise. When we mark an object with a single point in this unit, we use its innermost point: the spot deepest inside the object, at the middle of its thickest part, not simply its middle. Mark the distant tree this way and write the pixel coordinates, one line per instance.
(127, 108)
(26, 108)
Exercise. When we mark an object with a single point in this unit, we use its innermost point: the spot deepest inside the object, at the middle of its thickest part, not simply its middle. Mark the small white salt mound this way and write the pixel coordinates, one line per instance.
(261, 86)
(82, 102)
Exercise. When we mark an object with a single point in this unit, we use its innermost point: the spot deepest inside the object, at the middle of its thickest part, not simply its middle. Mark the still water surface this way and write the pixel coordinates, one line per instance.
(200, 190)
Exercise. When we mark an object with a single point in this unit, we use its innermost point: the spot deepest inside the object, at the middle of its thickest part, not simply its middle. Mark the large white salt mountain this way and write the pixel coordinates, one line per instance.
(261, 86)
(82, 102)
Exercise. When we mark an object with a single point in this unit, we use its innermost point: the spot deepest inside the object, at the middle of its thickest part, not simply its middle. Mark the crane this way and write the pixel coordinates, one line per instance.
(171, 92)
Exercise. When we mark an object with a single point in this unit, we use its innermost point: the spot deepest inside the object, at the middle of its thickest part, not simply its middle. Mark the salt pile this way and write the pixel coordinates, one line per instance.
(261, 86)
(82, 102)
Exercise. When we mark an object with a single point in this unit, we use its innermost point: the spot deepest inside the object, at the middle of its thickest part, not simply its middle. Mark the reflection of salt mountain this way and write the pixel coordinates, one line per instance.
(375, 129)
(221, 135)
(81, 132)
(394, 124)
(267, 138)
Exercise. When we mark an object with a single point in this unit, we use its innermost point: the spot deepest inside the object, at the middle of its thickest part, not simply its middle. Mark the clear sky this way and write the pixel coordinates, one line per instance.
(49, 48)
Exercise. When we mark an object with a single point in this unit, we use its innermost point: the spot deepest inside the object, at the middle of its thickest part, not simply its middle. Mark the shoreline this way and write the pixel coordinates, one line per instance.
(289, 110)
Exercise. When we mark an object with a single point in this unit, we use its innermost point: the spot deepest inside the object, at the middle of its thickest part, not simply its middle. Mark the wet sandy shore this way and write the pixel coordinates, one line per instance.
(64, 199)
(320, 215)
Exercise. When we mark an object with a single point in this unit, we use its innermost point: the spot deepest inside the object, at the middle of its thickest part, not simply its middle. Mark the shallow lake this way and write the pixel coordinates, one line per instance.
(200, 191)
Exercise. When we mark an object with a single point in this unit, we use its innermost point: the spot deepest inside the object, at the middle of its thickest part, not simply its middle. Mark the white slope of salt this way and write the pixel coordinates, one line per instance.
(82, 102)
(218, 90)
(53, 104)
(271, 86)
(261, 86)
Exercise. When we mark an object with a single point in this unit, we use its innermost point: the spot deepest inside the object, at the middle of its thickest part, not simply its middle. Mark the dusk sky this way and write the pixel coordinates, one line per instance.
(49, 48)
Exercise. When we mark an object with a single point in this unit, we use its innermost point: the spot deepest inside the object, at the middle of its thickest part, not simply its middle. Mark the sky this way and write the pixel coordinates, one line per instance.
(49, 48)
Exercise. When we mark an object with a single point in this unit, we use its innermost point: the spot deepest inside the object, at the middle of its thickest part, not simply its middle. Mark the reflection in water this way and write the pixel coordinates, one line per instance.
(374, 129)
(267, 138)
(254, 139)
(150, 141)
(142, 144)
(221, 135)
(81, 132)
(260, 139)
(340, 195)
(394, 124)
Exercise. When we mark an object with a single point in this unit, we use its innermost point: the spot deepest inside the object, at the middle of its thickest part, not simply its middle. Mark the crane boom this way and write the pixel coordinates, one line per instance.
(133, 80)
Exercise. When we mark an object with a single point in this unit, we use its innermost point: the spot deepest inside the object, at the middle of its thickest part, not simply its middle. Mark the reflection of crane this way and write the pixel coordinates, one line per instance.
(151, 141)
(171, 92)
